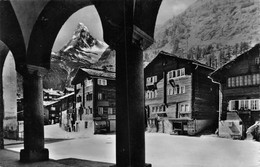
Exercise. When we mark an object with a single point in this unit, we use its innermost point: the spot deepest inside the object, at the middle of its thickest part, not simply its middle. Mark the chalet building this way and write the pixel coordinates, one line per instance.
(54, 109)
(95, 99)
(239, 82)
(180, 98)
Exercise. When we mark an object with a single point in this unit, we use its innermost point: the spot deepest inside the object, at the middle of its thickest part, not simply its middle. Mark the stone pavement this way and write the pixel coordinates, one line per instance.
(11, 159)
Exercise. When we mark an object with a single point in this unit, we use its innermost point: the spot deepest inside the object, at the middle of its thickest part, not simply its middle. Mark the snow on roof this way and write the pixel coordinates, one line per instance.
(99, 73)
(47, 103)
(70, 89)
(53, 92)
(163, 53)
(67, 95)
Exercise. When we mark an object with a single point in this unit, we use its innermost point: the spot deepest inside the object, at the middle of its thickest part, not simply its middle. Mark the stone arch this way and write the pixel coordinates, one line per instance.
(46, 28)
(9, 86)
(5, 53)
(11, 39)
(11, 33)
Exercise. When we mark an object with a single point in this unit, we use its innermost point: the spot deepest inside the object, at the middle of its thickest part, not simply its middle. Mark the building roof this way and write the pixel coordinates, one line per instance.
(99, 73)
(48, 103)
(84, 73)
(67, 95)
(53, 92)
(163, 54)
(229, 64)
(69, 89)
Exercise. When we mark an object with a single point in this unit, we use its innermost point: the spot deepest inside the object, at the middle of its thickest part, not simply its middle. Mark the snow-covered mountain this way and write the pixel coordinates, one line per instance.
(83, 46)
(83, 50)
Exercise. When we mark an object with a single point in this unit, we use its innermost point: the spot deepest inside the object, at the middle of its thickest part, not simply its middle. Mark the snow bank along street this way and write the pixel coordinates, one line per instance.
(162, 150)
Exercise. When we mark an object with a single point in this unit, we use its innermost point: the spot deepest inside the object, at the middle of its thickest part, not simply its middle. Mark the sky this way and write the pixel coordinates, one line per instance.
(89, 17)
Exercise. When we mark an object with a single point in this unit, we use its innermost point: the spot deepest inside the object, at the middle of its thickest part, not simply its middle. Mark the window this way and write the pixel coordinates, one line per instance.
(101, 96)
(178, 89)
(242, 105)
(175, 90)
(110, 110)
(151, 94)
(89, 97)
(187, 108)
(79, 99)
(254, 104)
(229, 82)
(245, 79)
(182, 90)
(251, 104)
(254, 79)
(257, 78)
(233, 82)
(102, 82)
(182, 108)
(233, 105)
(151, 80)
(241, 81)
(257, 60)
(182, 71)
(89, 82)
(100, 110)
(176, 73)
(249, 80)
(237, 81)
(170, 91)
(246, 104)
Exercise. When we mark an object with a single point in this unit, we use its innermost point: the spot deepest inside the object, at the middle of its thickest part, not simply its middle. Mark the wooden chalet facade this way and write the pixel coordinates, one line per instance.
(179, 95)
(95, 99)
(239, 81)
(54, 109)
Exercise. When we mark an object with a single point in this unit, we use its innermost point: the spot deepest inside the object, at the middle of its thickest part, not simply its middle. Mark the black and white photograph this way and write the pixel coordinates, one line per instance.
(130, 83)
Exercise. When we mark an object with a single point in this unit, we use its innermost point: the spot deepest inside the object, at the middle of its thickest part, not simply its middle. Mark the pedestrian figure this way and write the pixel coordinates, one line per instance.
(77, 127)
(73, 124)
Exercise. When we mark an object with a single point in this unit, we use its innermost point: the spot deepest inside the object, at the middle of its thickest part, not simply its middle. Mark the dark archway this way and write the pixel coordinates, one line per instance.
(11, 33)
(11, 38)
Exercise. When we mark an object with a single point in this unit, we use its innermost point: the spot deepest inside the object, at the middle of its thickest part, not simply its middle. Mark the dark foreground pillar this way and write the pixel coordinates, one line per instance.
(33, 118)
(130, 138)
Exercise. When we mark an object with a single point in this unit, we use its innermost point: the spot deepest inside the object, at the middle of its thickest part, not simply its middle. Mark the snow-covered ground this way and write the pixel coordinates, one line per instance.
(162, 150)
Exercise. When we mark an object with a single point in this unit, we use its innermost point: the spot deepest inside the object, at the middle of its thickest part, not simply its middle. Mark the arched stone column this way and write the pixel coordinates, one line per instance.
(33, 116)
(130, 137)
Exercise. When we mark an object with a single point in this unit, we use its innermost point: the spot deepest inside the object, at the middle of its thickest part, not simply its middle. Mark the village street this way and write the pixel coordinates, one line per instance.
(162, 150)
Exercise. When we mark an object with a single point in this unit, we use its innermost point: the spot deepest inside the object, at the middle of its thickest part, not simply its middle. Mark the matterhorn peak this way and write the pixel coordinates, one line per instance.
(84, 46)
(80, 31)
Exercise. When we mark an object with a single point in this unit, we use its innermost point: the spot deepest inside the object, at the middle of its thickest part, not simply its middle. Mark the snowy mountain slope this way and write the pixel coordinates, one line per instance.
(83, 46)
(222, 24)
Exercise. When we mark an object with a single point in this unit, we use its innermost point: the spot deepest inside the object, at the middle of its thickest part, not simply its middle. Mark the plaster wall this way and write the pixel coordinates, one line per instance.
(9, 97)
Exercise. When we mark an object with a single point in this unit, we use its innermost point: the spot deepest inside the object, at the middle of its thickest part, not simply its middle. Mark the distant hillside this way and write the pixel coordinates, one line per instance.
(210, 31)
